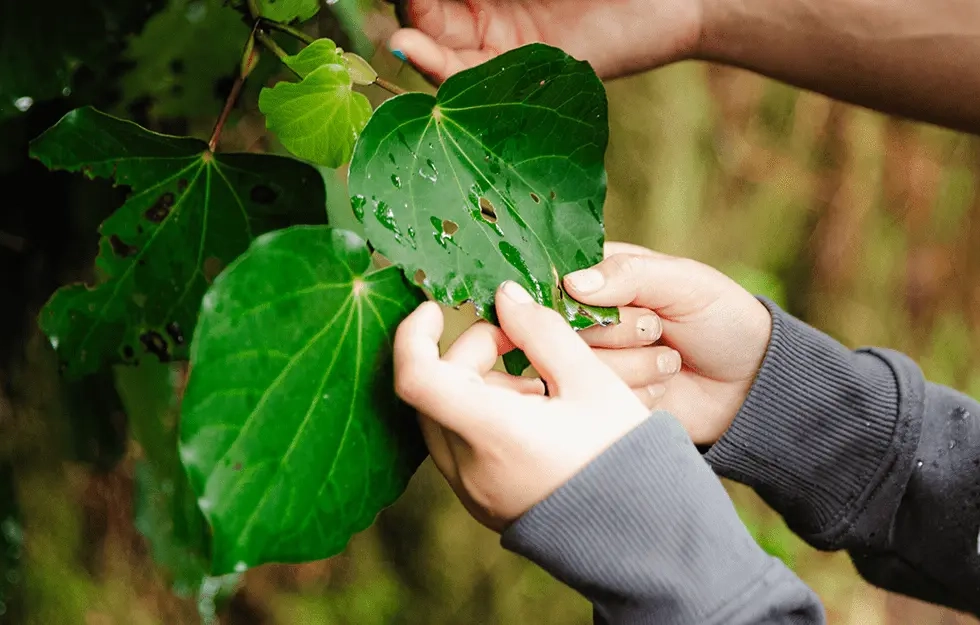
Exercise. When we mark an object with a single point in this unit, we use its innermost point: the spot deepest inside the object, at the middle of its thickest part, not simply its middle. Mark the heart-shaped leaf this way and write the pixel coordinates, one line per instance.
(500, 176)
(191, 213)
(320, 117)
(291, 432)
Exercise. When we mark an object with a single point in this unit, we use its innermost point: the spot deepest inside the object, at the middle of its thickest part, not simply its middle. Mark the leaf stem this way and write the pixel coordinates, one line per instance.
(229, 103)
(245, 67)
(289, 30)
(390, 87)
(271, 44)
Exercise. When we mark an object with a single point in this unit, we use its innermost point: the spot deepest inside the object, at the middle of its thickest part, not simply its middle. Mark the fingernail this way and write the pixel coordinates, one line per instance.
(516, 293)
(400, 55)
(586, 280)
(656, 391)
(648, 327)
(669, 363)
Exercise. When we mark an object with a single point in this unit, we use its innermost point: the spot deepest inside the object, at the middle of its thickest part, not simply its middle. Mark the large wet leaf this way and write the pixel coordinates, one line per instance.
(291, 431)
(500, 176)
(190, 214)
(319, 118)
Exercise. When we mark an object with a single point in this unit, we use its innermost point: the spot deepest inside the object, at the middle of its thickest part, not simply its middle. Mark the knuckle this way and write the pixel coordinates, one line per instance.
(408, 385)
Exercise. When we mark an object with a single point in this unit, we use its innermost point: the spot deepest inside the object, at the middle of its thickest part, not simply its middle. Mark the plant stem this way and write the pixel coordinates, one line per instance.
(389, 86)
(229, 103)
(289, 30)
(271, 44)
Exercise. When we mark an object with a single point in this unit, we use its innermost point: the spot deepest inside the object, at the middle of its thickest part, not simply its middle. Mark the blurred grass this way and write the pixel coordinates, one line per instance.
(865, 226)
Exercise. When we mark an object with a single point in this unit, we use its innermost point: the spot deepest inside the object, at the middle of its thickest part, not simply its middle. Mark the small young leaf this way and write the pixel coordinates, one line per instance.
(286, 11)
(500, 176)
(191, 213)
(314, 56)
(319, 118)
(291, 432)
(360, 70)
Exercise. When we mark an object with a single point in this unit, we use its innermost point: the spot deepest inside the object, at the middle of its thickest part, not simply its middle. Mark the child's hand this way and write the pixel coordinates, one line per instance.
(720, 330)
(501, 444)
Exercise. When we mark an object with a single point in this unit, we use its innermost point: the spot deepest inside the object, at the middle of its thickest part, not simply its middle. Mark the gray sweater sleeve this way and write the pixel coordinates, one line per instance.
(648, 534)
(856, 451)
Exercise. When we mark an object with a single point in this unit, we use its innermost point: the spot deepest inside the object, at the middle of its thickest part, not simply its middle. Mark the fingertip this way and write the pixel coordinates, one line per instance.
(584, 282)
(421, 51)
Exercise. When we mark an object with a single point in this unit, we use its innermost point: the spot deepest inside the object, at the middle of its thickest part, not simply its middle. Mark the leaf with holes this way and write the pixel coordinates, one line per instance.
(290, 431)
(286, 11)
(500, 176)
(320, 117)
(178, 61)
(189, 215)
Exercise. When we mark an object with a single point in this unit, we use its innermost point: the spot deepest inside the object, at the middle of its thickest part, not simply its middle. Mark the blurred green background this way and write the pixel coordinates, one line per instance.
(866, 226)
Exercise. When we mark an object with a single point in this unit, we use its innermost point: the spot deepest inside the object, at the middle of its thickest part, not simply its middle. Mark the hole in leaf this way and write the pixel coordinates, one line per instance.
(419, 277)
(238, 466)
(449, 227)
(161, 208)
(154, 343)
(534, 196)
(553, 196)
(175, 333)
(121, 248)
(128, 352)
(487, 211)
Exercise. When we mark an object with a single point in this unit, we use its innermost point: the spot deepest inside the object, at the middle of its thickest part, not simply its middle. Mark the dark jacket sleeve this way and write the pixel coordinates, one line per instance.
(648, 534)
(856, 451)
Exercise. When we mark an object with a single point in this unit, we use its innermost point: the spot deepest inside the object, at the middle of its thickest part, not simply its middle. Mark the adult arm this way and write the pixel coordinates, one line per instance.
(858, 452)
(915, 58)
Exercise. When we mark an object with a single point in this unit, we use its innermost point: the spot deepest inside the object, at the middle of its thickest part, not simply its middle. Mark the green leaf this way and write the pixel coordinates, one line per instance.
(498, 177)
(360, 70)
(320, 117)
(291, 432)
(286, 11)
(180, 56)
(314, 56)
(190, 214)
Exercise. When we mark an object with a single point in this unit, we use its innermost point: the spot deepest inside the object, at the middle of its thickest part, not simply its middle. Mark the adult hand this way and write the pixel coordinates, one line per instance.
(616, 36)
(502, 445)
(719, 329)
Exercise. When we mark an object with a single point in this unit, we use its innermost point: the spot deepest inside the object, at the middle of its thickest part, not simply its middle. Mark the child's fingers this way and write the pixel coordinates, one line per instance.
(557, 353)
(651, 395)
(453, 396)
(642, 366)
(518, 384)
(670, 286)
(479, 347)
(637, 327)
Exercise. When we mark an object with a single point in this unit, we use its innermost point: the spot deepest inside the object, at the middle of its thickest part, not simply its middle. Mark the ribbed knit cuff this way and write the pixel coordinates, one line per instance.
(646, 532)
(815, 430)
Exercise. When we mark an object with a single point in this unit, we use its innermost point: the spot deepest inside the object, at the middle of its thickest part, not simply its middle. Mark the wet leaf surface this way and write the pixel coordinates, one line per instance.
(190, 214)
(498, 177)
(291, 432)
(319, 118)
